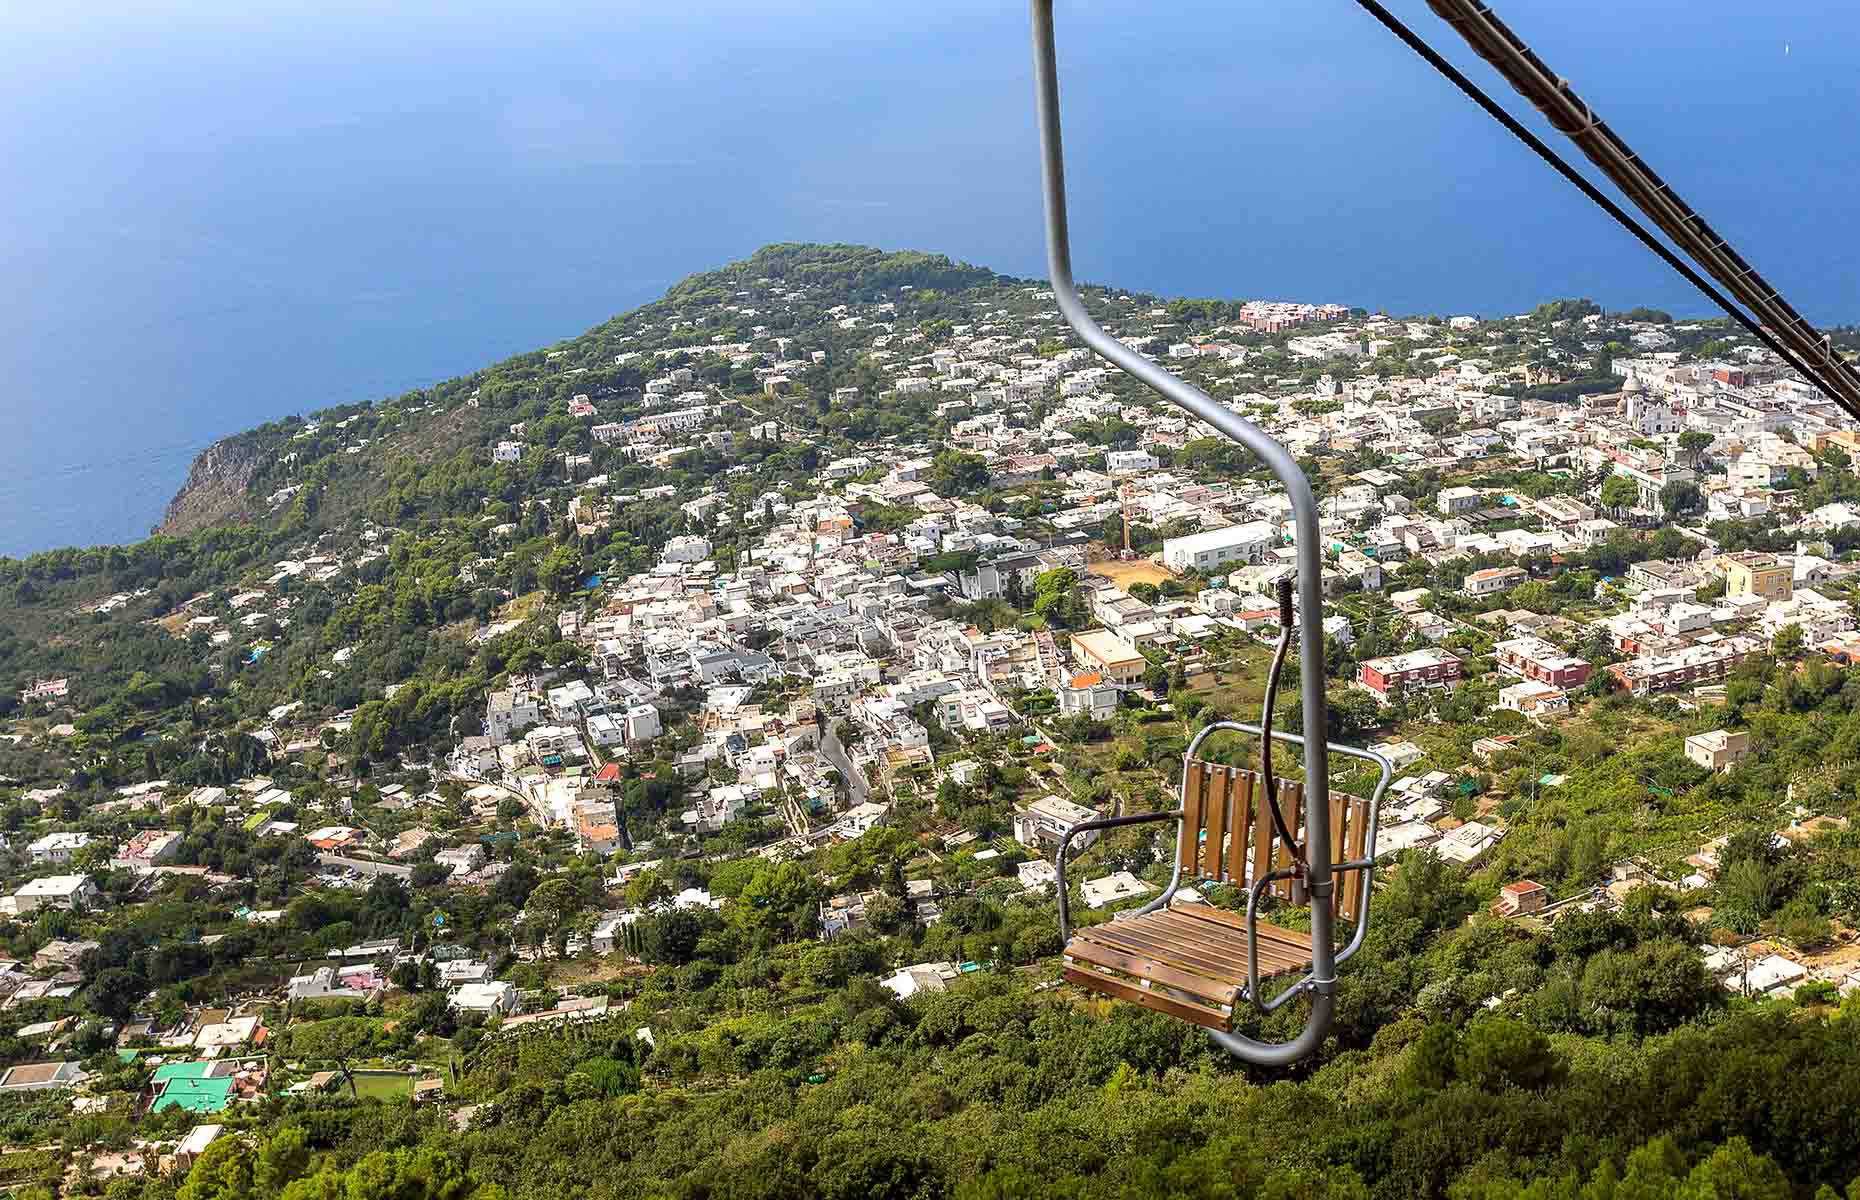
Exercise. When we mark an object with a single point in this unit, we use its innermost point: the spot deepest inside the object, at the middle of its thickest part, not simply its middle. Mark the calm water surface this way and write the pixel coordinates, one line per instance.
(214, 214)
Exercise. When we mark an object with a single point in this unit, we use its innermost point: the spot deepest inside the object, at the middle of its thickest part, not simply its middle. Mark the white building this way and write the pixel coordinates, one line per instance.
(1047, 819)
(1650, 415)
(1719, 750)
(195, 1144)
(1535, 699)
(508, 711)
(1037, 874)
(642, 724)
(1771, 973)
(148, 849)
(1219, 549)
(56, 849)
(1089, 694)
(1490, 581)
(682, 420)
(494, 999)
(1468, 843)
(1457, 501)
(718, 808)
(606, 730)
(1119, 885)
(70, 892)
(924, 977)
(688, 549)
(1129, 462)
(461, 860)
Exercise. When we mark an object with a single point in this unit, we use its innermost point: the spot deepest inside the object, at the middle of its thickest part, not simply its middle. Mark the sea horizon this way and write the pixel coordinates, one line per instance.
(275, 209)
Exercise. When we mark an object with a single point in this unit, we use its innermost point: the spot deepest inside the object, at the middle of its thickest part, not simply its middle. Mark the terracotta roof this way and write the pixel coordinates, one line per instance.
(34, 1073)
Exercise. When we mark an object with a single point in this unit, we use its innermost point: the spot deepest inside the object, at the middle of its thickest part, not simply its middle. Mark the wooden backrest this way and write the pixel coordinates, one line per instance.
(1228, 834)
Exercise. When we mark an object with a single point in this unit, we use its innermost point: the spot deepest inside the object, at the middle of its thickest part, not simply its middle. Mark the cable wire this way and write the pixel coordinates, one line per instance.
(1572, 116)
(1537, 146)
(1267, 781)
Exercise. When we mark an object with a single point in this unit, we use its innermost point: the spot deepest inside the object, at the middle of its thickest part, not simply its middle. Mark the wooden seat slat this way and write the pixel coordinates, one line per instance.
(1339, 814)
(1275, 959)
(1220, 782)
(1212, 1018)
(1291, 801)
(1263, 832)
(1214, 991)
(1158, 944)
(1194, 788)
(1237, 922)
(1208, 942)
(1183, 937)
(1356, 847)
(1188, 923)
(1155, 946)
(1274, 942)
(1237, 837)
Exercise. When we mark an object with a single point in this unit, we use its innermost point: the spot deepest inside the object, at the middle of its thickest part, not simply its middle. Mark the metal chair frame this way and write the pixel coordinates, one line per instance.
(1366, 864)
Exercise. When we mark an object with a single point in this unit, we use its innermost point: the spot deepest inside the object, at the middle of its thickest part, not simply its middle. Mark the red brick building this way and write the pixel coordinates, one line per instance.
(1685, 667)
(1415, 669)
(1534, 658)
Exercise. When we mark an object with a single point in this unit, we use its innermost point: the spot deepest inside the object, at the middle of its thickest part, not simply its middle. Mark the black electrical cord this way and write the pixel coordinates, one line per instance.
(1498, 113)
(1270, 784)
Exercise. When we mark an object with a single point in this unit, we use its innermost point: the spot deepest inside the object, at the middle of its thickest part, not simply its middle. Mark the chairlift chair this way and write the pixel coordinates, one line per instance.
(1188, 959)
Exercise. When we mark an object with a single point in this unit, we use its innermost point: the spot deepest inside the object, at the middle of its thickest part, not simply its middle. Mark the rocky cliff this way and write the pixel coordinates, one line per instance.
(215, 490)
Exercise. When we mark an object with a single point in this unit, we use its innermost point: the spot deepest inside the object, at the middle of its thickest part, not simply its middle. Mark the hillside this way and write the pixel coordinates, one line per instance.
(216, 490)
(637, 750)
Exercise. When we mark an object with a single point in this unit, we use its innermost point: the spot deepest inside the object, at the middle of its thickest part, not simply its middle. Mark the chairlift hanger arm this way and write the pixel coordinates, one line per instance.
(1322, 981)
(1065, 849)
(1286, 620)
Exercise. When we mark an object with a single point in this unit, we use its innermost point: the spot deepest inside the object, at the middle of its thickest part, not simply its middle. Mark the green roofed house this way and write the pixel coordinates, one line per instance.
(199, 1087)
(181, 1070)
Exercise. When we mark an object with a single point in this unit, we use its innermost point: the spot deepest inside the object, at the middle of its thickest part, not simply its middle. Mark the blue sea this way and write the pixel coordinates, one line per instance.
(213, 213)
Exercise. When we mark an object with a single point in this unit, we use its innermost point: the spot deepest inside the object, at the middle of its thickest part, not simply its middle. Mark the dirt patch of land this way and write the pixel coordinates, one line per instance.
(595, 969)
(1123, 574)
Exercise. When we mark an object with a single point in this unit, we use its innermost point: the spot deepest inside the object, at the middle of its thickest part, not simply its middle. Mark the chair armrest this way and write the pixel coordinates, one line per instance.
(1065, 842)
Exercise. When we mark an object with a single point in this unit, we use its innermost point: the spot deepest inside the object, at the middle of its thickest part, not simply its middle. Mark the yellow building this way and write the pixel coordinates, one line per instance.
(1842, 439)
(1104, 651)
(1753, 574)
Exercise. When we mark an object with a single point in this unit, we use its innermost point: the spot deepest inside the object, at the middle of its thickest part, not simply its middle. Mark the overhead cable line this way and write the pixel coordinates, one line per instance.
(1795, 341)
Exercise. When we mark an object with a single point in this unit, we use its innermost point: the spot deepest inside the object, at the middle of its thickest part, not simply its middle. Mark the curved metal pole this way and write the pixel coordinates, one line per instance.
(1065, 848)
(1252, 940)
(1323, 980)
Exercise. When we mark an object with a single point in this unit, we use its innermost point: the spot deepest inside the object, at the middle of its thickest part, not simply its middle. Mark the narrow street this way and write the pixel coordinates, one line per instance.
(836, 754)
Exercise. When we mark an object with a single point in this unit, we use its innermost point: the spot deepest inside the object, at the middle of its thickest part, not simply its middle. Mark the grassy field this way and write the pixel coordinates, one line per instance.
(594, 968)
(1238, 685)
(383, 1085)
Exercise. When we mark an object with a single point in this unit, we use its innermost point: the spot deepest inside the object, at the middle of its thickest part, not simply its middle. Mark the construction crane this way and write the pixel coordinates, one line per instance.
(1123, 499)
